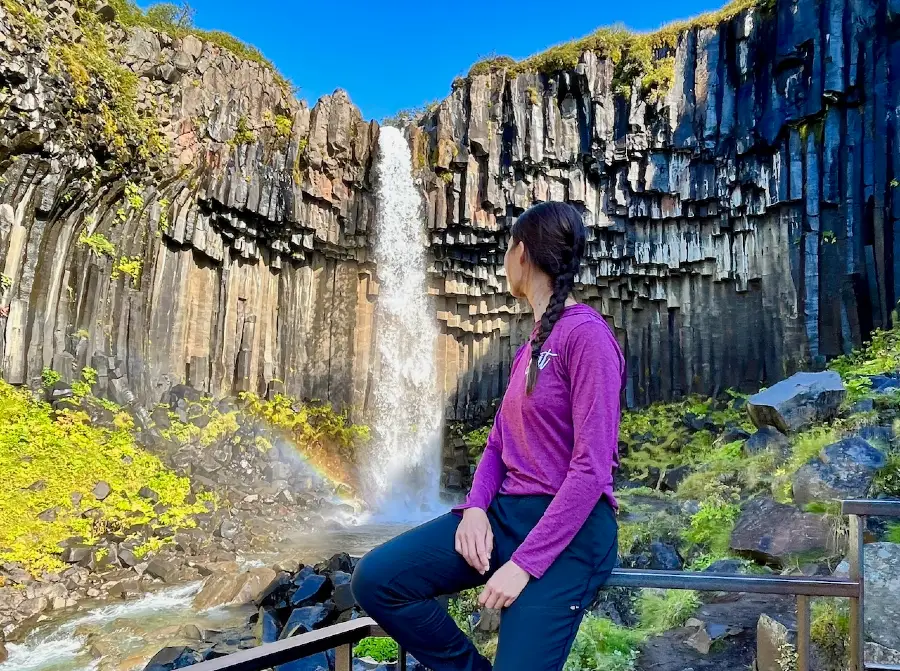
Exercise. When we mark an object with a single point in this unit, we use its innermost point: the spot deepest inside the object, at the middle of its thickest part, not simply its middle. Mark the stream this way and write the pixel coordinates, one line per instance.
(124, 635)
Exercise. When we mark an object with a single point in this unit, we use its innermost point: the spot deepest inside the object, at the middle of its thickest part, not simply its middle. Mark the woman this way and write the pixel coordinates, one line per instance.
(538, 528)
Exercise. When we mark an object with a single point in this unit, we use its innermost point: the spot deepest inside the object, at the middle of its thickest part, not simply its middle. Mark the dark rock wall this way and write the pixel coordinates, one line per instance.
(741, 225)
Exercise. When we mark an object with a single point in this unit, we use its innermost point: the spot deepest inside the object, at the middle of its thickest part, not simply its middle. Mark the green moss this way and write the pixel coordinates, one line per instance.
(887, 480)
(97, 243)
(283, 126)
(67, 455)
(879, 356)
(379, 648)
(178, 24)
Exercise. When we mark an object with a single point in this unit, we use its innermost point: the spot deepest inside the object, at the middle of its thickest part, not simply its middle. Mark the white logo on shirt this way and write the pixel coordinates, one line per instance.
(544, 359)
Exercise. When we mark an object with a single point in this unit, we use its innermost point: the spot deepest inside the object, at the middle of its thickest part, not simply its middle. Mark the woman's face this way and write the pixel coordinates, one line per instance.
(515, 262)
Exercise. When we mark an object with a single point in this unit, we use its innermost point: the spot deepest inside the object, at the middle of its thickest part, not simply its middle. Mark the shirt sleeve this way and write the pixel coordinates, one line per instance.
(595, 372)
(489, 474)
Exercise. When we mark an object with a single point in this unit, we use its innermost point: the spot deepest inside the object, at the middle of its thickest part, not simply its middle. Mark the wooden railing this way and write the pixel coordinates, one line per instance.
(342, 637)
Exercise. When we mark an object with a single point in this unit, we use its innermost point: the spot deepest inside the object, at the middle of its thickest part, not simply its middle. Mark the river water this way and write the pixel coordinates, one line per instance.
(123, 636)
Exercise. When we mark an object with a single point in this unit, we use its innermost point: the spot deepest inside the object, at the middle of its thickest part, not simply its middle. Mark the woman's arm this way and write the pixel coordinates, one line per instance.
(489, 474)
(595, 372)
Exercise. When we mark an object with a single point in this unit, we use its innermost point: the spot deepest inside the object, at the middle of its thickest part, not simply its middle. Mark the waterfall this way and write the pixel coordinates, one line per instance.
(403, 475)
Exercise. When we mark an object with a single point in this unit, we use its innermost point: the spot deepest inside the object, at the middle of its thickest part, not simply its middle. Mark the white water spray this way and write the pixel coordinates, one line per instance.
(404, 457)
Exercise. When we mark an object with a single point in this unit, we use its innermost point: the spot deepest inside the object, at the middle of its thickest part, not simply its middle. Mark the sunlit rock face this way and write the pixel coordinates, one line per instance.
(741, 214)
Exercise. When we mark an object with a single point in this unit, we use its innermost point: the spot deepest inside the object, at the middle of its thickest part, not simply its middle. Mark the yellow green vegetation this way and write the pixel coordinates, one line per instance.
(644, 56)
(130, 266)
(283, 126)
(830, 631)
(45, 458)
(97, 243)
(879, 356)
(21, 15)
(177, 21)
(105, 94)
(326, 437)
(243, 134)
(602, 645)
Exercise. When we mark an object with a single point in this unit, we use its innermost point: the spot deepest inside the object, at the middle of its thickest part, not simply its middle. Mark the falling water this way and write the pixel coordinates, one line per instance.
(404, 458)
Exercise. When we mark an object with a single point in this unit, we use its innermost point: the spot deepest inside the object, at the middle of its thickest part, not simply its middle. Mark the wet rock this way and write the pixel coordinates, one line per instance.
(767, 438)
(772, 532)
(169, 659)
(340, 578)
(664, 557)
(303, 620)
(223, 589)
(844, 470)
(101, 491)
(877, 435)
(882, 576)
(190, 632)
(268, 626)
(313, 589)
(798, 402)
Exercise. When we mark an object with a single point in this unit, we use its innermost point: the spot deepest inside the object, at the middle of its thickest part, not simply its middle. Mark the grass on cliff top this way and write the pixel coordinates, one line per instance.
(634, 54)
(45, 459)
(177, 21)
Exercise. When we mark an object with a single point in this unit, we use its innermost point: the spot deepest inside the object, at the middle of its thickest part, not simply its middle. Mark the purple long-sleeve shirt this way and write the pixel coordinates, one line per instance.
(562, 439)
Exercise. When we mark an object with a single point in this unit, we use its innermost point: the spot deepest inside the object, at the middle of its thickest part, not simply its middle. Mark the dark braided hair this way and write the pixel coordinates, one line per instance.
(553, 234)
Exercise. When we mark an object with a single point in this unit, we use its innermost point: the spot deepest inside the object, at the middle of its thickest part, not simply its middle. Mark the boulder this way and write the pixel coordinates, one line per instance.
(878, 654)
(313, 589)
(164, 569)
(775, 641)
(731, 566)
(77, 553)
(4, 655)
(767, 438)
(844, 470)
(882, 576)
(148, 494)
(171, 658)
(772, 532)
(267, 626)
(303, 620)
(877, 434)
(343, 598)
(101, 491)
(228, 529)
(796, 403)
(223, 589)
(664, 557)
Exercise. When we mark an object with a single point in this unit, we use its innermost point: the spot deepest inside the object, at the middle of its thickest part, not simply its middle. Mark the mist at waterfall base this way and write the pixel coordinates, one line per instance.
(401, 470)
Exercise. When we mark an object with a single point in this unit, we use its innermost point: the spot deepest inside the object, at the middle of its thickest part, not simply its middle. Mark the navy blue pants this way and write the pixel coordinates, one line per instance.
(397, 583)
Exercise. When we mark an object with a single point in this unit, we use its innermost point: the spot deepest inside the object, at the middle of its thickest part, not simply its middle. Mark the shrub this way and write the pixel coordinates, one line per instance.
(130, 266)
(712, 525)
(381, 649)
(879, 356)
(243, 134)
(49, 377)
(887, 480)
(601, 645)
(893, 533)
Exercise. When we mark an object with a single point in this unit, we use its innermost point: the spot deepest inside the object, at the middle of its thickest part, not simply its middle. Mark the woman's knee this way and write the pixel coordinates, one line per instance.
(369, 579)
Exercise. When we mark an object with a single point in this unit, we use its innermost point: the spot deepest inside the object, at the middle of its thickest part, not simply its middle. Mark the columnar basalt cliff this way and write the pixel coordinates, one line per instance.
(219, 240)
(736, 175)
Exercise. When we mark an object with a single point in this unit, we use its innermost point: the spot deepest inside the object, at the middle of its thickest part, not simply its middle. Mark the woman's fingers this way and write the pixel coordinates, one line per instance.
(481, 555)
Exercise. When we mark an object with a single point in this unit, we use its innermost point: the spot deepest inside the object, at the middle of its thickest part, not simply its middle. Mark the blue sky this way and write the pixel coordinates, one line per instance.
(391, 56)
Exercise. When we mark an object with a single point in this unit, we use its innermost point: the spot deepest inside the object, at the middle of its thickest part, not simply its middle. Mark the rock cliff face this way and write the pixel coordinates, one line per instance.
(742, 216)
(231, 256)
(739, 197)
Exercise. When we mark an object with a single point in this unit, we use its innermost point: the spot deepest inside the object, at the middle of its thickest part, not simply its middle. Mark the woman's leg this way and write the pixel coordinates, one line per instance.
(537, 631)
(397, 583)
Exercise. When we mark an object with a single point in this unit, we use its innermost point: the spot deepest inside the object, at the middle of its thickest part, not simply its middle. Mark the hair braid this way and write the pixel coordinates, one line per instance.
(562, 287)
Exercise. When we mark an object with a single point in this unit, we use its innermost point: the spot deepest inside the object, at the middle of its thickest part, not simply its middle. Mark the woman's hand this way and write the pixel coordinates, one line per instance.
(475, 540)
(504, 586)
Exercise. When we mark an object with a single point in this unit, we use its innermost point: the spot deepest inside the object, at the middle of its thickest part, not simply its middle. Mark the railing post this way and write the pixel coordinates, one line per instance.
(802, 633)
(857, 561)
(401, 661)
(343, 657)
